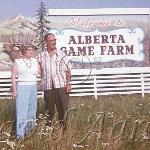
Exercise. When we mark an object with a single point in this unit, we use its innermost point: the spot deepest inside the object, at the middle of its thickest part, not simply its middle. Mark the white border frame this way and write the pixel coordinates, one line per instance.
(100, 11)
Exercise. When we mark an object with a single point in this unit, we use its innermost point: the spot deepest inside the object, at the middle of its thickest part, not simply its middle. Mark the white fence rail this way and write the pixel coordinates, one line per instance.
(94, 82)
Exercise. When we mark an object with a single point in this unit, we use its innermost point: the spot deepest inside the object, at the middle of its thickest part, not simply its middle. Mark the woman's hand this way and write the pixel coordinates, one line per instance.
(14, 94)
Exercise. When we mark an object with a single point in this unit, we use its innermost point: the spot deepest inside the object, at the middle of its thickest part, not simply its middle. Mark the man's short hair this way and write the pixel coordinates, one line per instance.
(46, 35)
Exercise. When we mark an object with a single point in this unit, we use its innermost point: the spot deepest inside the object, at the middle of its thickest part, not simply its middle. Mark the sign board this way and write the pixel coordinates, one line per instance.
(103, 38)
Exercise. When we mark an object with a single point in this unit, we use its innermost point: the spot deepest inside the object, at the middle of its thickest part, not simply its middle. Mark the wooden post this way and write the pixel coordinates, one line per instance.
(95, 84)
(142, 84)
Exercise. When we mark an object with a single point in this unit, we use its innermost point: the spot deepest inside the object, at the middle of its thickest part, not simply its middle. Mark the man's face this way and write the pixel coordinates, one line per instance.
(51, 42)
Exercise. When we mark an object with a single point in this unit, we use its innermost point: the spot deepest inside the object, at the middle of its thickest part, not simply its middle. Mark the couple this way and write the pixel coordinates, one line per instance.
(51, 64)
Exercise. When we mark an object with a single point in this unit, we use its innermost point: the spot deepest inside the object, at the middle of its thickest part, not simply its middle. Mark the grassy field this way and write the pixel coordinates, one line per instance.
(109, 123)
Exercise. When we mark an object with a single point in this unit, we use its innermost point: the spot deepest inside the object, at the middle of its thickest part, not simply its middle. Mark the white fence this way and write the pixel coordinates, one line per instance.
(94, 82)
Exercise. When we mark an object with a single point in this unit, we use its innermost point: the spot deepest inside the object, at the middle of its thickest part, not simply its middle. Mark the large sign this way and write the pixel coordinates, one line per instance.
(103, 37)
(108, 46)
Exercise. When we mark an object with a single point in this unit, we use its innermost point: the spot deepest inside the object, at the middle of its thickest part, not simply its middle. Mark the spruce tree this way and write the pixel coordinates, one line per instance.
(42, 25)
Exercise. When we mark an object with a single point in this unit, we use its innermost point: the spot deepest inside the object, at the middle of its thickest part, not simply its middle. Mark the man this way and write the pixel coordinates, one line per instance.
(56, 77)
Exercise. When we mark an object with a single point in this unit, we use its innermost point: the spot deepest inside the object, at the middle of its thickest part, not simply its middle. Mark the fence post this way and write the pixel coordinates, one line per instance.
(142, 84)
(95, 84)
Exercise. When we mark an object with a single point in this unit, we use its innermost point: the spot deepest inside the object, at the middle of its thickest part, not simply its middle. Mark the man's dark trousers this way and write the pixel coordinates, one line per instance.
(58, 97)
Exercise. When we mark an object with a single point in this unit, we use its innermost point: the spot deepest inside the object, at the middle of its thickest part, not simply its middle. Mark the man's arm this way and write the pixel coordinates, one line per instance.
(67, 67)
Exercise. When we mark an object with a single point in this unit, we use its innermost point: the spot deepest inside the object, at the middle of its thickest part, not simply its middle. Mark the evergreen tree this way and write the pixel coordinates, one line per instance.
(42, 25)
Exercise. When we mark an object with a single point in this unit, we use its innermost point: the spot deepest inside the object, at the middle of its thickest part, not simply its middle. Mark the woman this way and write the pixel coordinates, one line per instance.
(26, 69)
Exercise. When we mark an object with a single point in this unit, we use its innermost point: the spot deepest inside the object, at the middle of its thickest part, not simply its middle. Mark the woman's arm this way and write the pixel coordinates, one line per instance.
(13, 79)
(39, 69)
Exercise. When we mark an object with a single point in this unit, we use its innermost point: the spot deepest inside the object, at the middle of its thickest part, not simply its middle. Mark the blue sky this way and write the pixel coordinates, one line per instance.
(12, 8)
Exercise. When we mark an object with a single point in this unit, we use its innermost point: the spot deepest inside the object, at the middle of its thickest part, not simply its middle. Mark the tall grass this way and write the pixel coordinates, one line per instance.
(108, 123)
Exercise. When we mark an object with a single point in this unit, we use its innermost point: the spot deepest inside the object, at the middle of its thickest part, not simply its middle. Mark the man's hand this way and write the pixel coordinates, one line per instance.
(68, 88)
(8, 47)
(68, 75)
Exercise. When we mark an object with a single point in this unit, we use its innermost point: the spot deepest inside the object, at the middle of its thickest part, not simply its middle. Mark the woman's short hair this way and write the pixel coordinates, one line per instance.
(24, 48)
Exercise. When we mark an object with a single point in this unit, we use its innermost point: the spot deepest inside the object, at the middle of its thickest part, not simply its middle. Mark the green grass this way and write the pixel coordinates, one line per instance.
(130, 109)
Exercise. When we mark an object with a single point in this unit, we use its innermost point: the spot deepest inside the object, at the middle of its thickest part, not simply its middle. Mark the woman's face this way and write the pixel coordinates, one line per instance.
(29, 52)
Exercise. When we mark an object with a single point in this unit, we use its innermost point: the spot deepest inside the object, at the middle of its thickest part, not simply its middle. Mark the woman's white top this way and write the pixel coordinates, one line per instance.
(27, 71)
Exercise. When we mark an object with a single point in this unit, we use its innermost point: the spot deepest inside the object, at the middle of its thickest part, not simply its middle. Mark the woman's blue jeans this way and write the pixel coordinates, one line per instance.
(26, 107)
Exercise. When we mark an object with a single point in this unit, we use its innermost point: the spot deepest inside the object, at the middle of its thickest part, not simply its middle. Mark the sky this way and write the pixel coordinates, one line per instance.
(12, 8)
